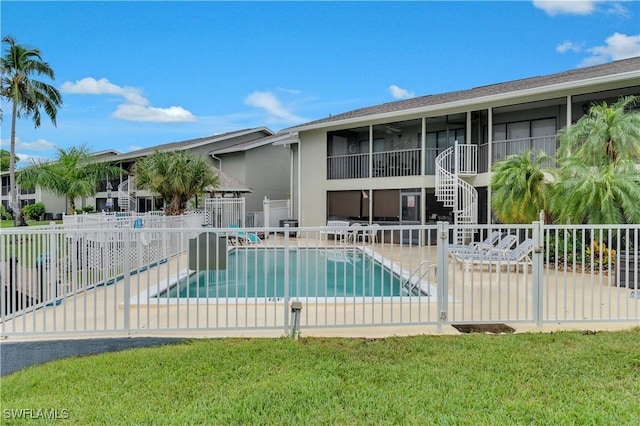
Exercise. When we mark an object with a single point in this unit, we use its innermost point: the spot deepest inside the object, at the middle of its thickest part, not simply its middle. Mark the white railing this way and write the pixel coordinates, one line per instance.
(405, 162)
(126, 195)
(225, 212)
(501, 149)
(454, 192)
(88, 281)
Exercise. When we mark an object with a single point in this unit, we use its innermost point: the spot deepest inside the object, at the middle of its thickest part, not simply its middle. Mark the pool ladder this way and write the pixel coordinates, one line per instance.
(410, 284)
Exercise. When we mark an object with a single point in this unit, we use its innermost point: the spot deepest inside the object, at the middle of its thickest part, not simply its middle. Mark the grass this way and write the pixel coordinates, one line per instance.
(9, 223)
(567, 378)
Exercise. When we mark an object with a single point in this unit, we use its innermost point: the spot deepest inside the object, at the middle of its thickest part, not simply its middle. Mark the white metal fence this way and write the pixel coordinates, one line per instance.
(139, 280)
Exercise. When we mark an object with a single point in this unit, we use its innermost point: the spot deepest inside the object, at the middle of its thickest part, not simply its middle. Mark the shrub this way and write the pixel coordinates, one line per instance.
(4, 214)
(85, 209)
(34, 211)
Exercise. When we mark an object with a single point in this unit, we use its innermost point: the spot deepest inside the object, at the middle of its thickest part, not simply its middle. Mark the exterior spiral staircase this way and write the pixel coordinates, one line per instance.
(452, 164)
(127, 195)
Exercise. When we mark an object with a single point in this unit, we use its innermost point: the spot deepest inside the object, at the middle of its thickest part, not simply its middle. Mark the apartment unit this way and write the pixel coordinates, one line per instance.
(246, 161)
(429, 158)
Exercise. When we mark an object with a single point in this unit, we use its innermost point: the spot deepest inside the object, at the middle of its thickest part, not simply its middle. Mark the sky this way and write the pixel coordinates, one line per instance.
(138, 74)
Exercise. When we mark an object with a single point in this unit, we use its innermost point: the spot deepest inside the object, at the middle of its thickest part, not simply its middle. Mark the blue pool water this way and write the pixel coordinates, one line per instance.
(312, 273)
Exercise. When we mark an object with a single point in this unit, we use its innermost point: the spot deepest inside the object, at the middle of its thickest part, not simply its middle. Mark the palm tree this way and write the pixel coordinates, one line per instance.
(26, 95)
(4, 159)
(177, 176)
(598, 180)
(520, 188)
(607, 134)
(73, 174)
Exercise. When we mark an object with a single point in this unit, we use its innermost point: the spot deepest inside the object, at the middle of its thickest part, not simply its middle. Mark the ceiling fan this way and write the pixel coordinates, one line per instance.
(391, 130)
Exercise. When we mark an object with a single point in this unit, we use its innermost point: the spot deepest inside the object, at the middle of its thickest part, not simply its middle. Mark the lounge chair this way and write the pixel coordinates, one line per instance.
(243, 238)
(485, 244)
(518, 256)
(505, 243)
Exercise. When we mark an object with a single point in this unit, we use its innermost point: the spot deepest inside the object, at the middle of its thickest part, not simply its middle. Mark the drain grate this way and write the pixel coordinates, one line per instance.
(483, 328)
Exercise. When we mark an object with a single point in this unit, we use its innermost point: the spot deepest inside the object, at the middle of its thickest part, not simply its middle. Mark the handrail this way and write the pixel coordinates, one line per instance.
(409, 282)
(454, 192)
(125, 197)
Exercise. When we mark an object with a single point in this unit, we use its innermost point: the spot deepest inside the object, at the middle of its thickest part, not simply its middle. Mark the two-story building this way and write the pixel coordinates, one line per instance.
(397, 162)
(246, 161)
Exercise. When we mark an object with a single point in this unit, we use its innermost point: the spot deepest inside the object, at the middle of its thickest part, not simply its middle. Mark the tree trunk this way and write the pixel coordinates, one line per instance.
(13, 191)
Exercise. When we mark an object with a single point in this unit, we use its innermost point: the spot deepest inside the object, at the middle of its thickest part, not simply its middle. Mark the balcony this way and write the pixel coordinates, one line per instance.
(502, 149)
(406, 162)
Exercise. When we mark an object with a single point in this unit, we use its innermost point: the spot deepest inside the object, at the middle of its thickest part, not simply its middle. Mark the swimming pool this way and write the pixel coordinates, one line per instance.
(318, 273)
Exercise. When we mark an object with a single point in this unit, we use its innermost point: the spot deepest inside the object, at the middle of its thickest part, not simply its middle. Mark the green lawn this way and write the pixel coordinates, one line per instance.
(9, 223)
(568, 378)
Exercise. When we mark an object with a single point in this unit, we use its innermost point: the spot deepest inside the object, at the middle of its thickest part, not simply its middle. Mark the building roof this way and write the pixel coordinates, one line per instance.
(627, 67)
(193, 143)
(245, 146)
(228, 184)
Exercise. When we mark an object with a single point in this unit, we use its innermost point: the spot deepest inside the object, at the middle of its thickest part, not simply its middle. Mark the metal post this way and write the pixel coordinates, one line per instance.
(537, 260)
(127, 278)
(286, 278)
(296, 307)
(442, 273)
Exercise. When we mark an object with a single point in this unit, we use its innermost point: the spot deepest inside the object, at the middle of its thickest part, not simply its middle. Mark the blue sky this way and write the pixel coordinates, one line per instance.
(139, 74)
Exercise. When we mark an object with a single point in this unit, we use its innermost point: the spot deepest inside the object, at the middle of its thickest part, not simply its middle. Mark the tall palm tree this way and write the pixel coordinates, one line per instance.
(177, 176)
(520, 188)
(598, 180)
(26, 95)
(73, 174)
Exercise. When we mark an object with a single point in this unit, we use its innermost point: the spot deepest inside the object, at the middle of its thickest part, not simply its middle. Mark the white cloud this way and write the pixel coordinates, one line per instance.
(136, 106)
(568, 45)
(91, 86)
(37, 145)
(172, 114)
(268, 102)
(400, 93)
(618, 46)
(571, 7)
(581, 7)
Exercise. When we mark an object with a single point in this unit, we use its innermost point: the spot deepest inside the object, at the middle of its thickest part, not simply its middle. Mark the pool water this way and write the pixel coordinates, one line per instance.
(260, 273)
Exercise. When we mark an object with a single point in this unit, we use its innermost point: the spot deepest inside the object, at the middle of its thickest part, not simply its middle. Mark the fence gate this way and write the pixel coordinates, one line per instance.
(223, 212)
(275, 211)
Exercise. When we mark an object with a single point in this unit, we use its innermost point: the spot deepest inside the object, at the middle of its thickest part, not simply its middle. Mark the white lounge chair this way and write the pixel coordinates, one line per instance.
(485, 244)
(505, 243)
(519, 256)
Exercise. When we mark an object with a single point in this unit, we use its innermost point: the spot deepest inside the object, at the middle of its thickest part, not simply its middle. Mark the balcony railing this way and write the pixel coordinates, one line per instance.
(502, 149)
(406, 162)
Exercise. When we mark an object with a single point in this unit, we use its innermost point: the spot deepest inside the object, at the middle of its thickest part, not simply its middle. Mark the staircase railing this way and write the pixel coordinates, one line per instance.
(126, 195)
(452, 191)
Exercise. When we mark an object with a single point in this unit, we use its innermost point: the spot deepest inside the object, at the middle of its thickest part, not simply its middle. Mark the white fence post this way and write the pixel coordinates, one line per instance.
(286, 280)
(537, 273)
(442, 273)
(127, 277)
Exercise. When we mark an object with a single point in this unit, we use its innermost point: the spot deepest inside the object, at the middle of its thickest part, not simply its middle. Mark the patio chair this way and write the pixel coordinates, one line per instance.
(354, 231)
(477, 246)
(243, 238)
(370, 234)
(505, 243)
(519, 256)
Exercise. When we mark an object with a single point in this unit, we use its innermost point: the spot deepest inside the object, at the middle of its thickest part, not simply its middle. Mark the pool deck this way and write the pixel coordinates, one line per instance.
(478, 292)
